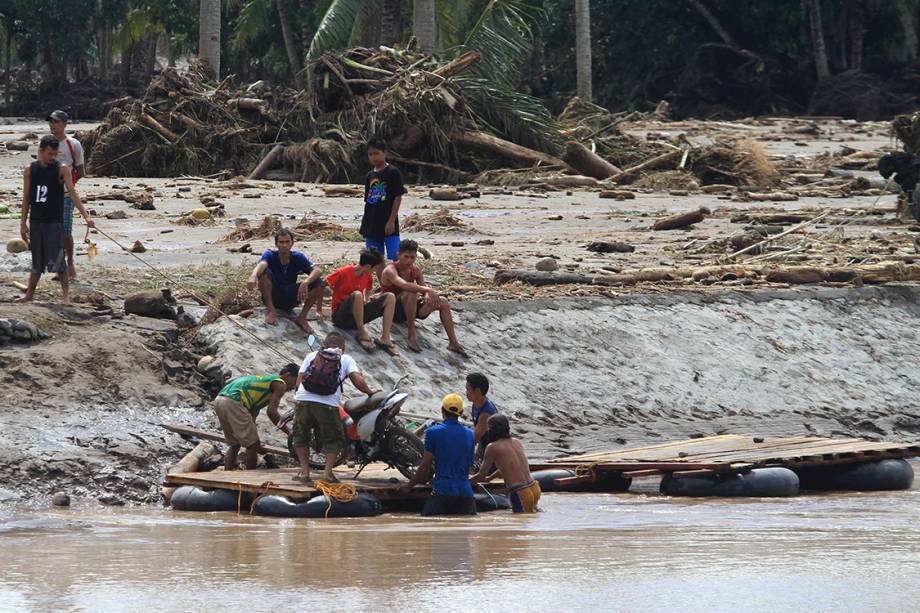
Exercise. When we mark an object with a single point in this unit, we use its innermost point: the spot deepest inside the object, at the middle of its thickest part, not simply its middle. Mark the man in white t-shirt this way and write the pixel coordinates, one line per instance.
(70, 153)
(319, 391)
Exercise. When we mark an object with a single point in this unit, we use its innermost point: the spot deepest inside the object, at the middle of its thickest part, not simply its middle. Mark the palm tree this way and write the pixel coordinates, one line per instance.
(583, 49)
(209, 35)
(906, 16)
(425, 24)
(290, 45)
(817, 38)
(391, 12)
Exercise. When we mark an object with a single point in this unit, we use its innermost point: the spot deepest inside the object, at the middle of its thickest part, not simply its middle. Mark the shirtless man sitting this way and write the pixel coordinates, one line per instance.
(405, 280)
(508, 455)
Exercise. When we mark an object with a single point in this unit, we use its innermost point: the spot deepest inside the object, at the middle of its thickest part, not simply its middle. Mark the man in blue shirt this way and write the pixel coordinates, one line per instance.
(449, 446)
(477, 386)
(276, 277)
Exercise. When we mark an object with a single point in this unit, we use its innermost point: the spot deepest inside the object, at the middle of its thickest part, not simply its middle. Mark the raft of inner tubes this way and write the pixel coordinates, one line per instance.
(881, 475)
(190, 498)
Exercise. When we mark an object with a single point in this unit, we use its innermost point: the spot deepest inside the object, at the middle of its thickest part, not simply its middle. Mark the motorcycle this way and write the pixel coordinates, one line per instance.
(373, 434)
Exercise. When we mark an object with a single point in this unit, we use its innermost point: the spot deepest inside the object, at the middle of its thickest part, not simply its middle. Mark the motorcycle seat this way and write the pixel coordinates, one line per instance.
(363, 404)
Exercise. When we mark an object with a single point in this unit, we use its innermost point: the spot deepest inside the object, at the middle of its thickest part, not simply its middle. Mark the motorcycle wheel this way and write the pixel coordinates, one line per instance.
(405, 450)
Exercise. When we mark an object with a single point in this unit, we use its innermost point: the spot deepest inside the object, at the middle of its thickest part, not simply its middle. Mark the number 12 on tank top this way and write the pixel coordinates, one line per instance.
(41, 193)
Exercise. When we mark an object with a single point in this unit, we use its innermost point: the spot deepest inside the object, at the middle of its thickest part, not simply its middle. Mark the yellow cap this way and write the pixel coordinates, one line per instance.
(453, 404)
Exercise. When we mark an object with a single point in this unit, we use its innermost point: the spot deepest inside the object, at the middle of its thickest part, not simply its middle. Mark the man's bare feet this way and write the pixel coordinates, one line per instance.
(412, 343)
(458, 348)
(331, 479)
(301, 477)
(388, 347)
(271, 318)
(303, 325)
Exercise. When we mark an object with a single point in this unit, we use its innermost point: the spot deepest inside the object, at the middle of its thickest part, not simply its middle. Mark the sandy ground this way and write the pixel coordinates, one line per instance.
(633, 366)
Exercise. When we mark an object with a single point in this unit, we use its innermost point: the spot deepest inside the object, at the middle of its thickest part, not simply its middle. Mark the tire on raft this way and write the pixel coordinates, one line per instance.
(606, 482)
(190, 498)
(757, 483)
(364, 505)
(491, 502)
(881, 475)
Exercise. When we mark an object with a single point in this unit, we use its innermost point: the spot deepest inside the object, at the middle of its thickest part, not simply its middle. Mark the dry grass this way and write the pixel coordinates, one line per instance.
(668, 180)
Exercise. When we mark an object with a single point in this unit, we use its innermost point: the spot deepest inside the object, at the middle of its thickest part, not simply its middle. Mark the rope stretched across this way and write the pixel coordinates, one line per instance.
(195, 295)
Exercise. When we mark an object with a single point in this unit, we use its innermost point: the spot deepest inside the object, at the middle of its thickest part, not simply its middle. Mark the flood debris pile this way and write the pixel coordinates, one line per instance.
(440, 221)
(305, 230)
(186, 125)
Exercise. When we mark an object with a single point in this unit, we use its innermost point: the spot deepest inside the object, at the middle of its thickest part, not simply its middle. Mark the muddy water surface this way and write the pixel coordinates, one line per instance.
(626, 552)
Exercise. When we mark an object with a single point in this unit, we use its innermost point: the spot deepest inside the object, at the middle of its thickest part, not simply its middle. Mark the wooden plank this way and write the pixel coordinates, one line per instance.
(589, 478)
(694, 473)
(638, 474)
(219, 437)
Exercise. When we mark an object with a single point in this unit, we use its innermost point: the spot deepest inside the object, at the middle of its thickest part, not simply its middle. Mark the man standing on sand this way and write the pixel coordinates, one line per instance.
(405, 280)
(352, 306)
(70, 152)
(238, 404)
(508, 455)
(276, 277)
(44, 183)
(449, 448)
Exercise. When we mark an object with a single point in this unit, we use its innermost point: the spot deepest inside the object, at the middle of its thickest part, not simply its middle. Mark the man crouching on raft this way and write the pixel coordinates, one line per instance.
(238, 404)
(508, 455)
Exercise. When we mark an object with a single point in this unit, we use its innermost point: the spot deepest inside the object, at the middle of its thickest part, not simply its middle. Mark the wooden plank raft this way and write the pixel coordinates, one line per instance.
(727, 453)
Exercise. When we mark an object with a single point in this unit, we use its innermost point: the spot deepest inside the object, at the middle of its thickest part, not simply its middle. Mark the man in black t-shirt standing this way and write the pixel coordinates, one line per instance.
(383, 192)
(42, 224)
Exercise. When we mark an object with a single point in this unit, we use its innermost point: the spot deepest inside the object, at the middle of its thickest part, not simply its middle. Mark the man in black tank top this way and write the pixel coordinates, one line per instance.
(44, 185)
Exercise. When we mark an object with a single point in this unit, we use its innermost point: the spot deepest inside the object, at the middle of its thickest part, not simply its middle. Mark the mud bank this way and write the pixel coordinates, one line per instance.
(592, 374)
(576, 375)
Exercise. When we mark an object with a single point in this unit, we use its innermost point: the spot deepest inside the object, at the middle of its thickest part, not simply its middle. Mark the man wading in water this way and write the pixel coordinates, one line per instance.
(508, 455)
(276, 277)
(42, 224)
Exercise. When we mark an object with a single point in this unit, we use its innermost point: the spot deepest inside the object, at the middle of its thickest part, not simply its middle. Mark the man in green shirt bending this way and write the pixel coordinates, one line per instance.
(238, 404)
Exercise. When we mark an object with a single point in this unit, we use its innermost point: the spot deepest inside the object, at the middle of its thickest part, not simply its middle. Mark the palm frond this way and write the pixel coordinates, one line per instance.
(136, 27)
(255, 18)
(453, 22)
(511, 114)
(502, 35)
(335, 30)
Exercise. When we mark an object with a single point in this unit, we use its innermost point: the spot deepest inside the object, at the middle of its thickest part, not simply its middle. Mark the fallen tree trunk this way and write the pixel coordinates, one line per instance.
(159, 128)
(587, 162)
(266, 162)
(248, 104)
(504, 148)
(453, 67)
(680, 220)
(188, 464)
(631, 172)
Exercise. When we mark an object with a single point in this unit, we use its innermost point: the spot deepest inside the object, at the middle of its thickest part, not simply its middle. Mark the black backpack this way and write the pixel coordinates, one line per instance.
(322, 377)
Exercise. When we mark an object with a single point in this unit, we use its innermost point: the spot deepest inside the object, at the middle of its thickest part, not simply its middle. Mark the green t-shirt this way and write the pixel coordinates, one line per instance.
(253, 392)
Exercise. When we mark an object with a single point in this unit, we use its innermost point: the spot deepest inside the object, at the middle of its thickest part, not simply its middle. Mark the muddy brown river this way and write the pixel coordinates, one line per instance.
(628, 552)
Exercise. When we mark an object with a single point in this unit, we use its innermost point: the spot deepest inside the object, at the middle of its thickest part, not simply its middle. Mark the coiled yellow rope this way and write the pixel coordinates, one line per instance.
(341, 492)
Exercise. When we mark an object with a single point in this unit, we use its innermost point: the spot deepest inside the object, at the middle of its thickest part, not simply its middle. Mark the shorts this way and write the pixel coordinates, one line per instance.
(237, 423)
(46, 240)
(285, 297)
(343, 316)
(524, 498)
(68, 216)
(438, 504)
(389, 243)
(400, 315)
(324, 420)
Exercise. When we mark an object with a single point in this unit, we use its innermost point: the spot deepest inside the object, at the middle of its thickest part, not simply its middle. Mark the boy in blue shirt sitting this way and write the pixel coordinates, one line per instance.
(276, 277)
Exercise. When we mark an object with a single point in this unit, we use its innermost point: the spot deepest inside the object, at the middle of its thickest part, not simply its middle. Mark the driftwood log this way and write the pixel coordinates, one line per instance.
(503, 148)
(453, 67)
(587, 162)
(188, 464)
(630, 173)
(445, 193)
(266, 162)
(610, 247)
(159, 128)
(680, 220)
